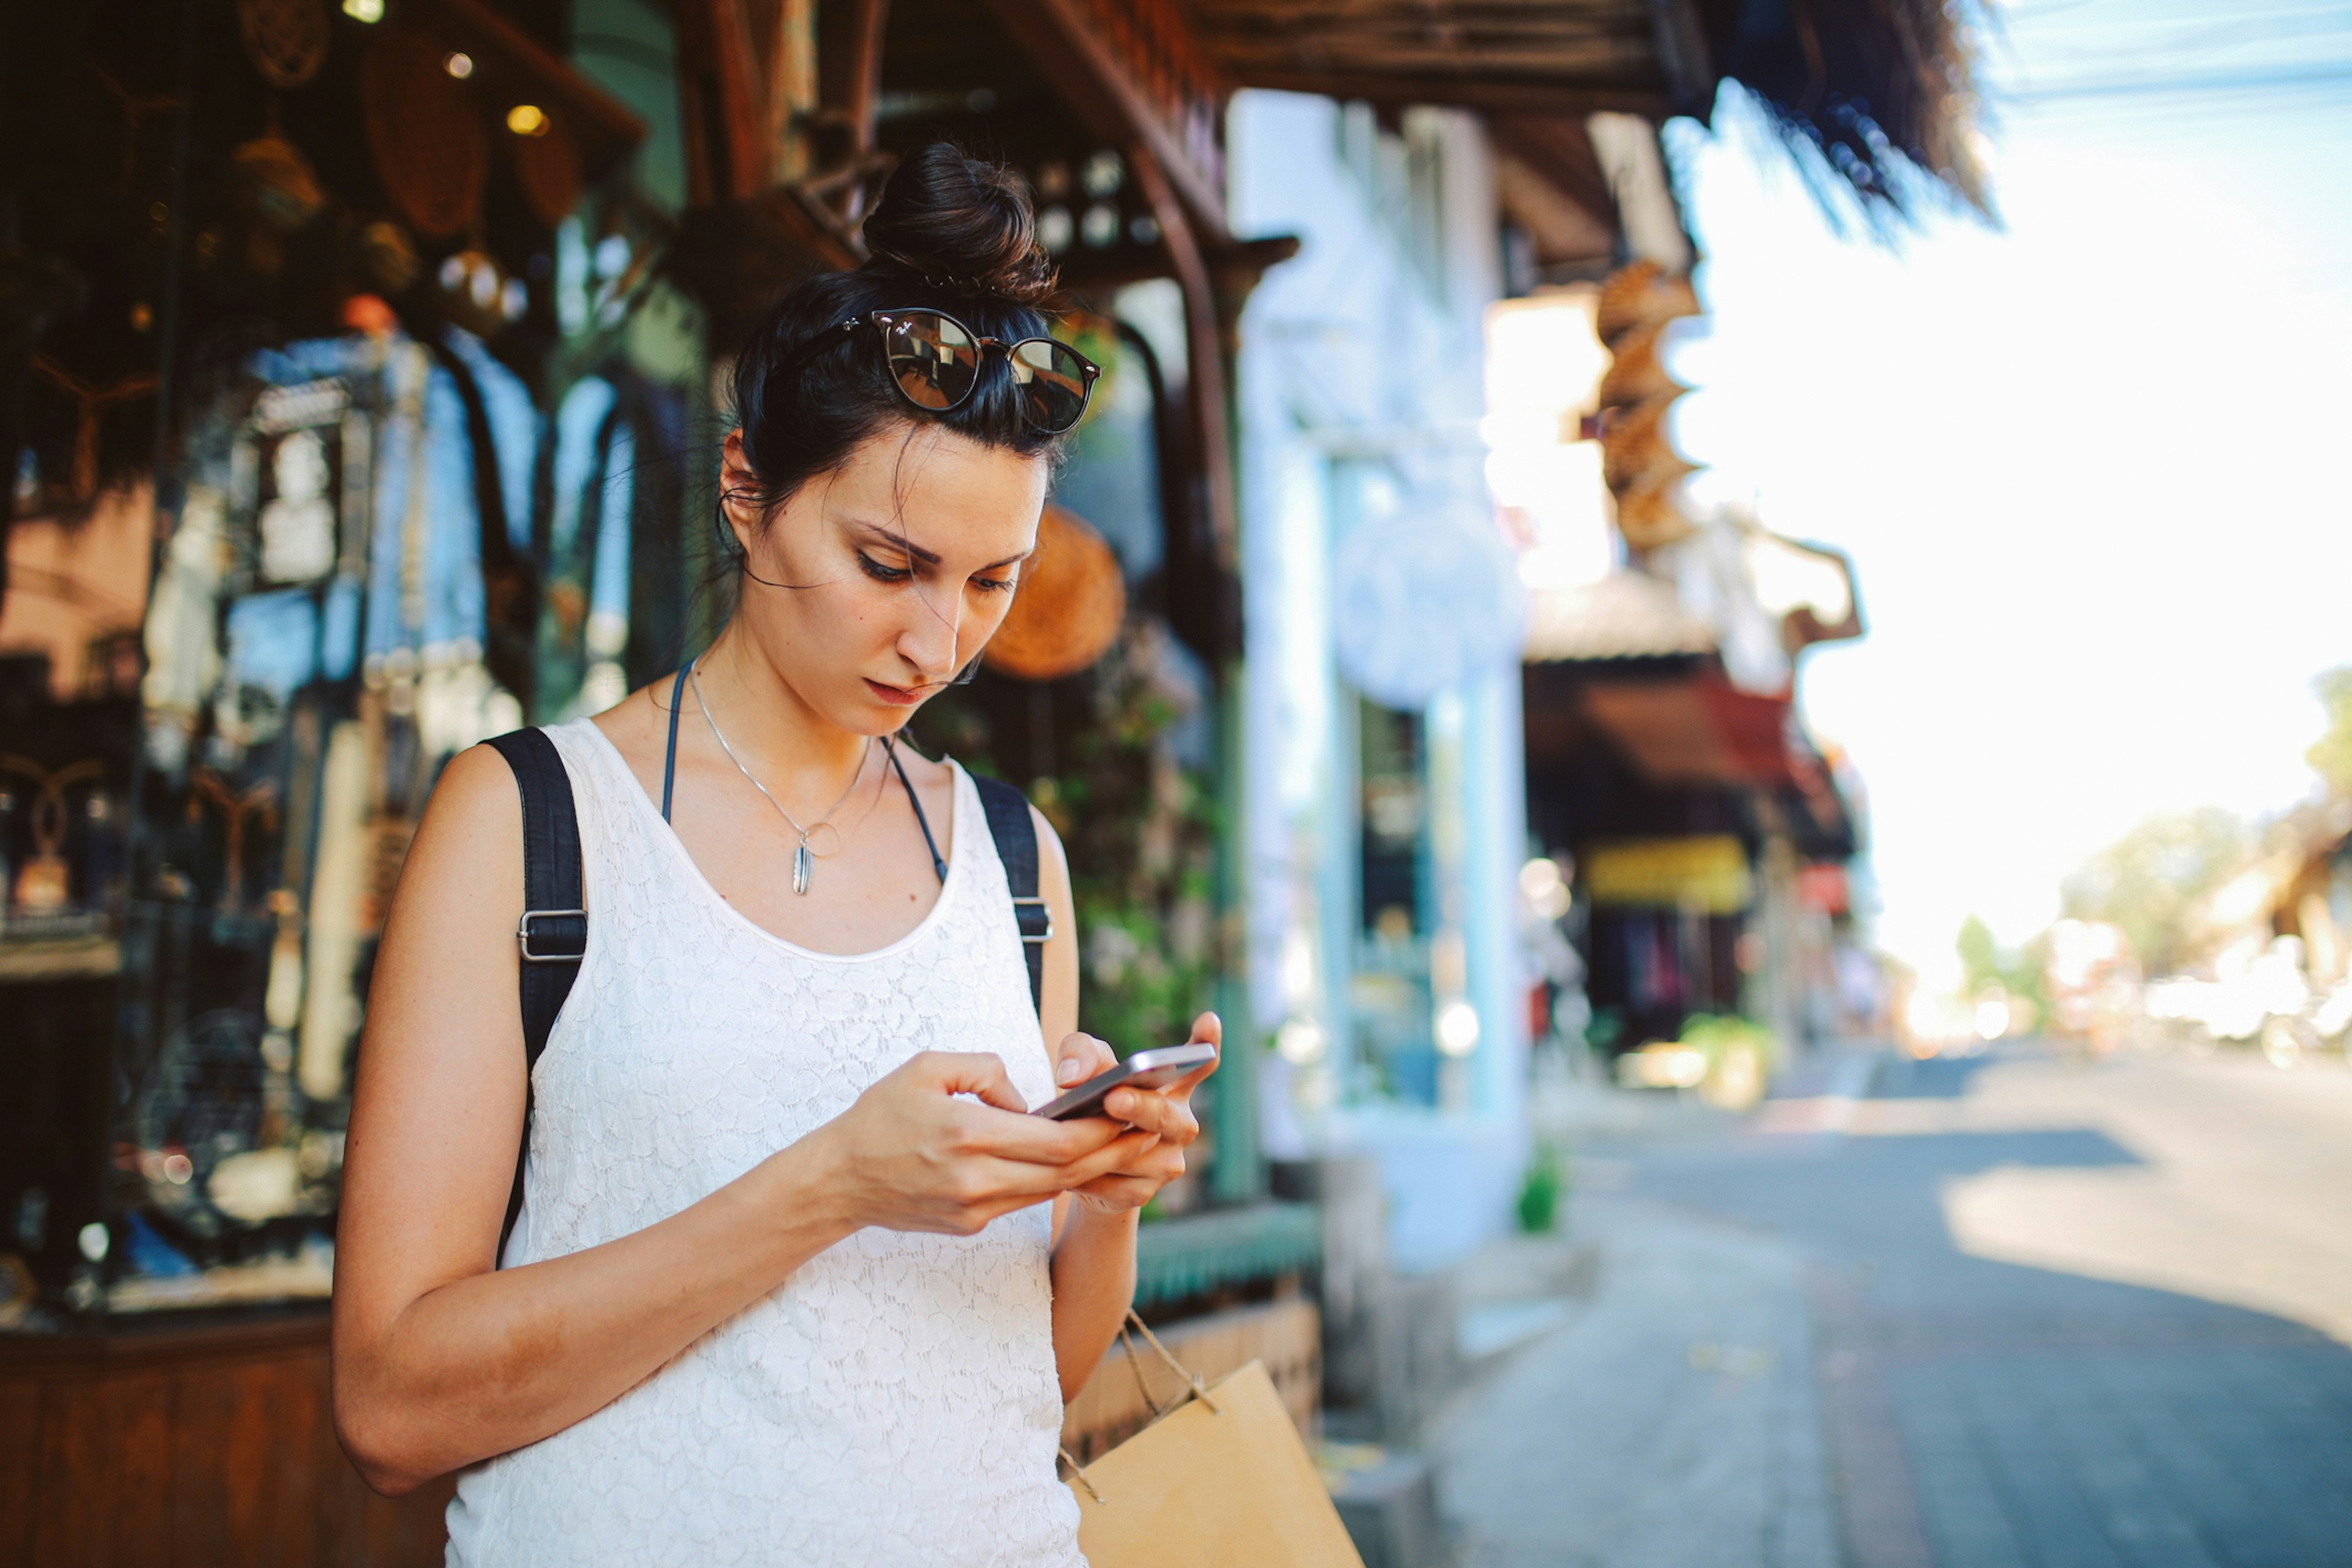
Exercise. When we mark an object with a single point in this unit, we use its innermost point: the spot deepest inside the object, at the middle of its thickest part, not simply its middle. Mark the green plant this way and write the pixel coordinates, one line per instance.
(1139, 828)
(1540, 1192)
(1740, 1056)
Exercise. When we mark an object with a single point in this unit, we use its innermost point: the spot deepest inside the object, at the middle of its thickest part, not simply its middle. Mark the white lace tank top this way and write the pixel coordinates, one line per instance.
(894, 1401)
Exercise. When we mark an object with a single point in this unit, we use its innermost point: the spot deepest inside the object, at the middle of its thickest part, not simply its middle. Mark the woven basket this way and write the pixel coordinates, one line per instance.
(285, 40)
(1067, 610)
(547, 167)
(425, 132)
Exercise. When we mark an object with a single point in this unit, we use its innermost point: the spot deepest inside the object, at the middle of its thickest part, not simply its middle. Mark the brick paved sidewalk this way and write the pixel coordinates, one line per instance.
(1670, 1423)
(1791, 1359)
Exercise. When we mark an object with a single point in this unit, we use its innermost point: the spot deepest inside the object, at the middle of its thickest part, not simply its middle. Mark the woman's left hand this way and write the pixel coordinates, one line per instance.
(1165, 1114)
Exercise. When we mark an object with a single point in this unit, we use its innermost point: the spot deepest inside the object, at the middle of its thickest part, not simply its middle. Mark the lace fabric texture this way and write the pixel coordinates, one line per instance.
(895, 1400)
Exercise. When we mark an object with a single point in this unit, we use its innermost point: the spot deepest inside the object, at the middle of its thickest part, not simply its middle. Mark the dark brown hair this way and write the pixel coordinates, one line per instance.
(953, 233)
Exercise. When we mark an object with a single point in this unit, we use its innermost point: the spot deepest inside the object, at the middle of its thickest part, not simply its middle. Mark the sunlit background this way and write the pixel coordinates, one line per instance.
(2088, 466)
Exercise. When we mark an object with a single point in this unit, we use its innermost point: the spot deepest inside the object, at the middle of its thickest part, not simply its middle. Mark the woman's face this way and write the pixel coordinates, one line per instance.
(904, 562)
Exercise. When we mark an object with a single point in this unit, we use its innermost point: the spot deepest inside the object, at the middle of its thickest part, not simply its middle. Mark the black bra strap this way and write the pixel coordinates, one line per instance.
(939, 865)
(670, 762)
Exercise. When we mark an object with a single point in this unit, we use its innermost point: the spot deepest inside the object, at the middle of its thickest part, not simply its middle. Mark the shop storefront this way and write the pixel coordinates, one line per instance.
(368, 409)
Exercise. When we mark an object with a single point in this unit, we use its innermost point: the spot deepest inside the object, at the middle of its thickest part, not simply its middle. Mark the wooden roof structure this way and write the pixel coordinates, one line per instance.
(1530, 56)
(1870, 94)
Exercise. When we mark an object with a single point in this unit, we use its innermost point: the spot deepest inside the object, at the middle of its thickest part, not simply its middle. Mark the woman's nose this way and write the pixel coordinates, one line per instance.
(929, 643)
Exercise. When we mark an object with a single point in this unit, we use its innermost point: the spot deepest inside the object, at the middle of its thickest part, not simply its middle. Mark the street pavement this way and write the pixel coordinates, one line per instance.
(2018, 1309)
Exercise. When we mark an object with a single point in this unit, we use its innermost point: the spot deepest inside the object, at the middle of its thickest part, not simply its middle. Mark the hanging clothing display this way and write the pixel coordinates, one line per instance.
(317, 638)
(614, 601)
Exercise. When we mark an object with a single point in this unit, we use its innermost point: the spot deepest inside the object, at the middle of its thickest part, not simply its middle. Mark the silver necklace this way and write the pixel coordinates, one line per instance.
(804, 858)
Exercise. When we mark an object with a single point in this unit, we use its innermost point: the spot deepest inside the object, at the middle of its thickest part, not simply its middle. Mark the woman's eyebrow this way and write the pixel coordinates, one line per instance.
(897, 541)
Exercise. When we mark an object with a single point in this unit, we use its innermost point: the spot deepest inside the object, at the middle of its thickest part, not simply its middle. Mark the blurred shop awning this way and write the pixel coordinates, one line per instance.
(1706, 873)
(1701, 730)
(1626, 614)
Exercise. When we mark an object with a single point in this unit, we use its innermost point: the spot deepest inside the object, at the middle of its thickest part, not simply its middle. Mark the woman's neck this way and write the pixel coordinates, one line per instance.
(794, 750)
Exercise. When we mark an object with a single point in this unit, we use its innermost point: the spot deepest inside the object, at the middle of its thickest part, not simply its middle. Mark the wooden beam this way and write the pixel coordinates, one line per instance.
(785, 35)
(723, 103)
(1684, 58)
(1204, 353)
(1112, 104)
(1615, 15)
(872, 17)
(1466, 92)
(1559, 148)
(1475, 57)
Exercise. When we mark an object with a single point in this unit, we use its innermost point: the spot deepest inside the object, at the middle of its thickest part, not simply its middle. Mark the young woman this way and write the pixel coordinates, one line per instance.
(795, 1280)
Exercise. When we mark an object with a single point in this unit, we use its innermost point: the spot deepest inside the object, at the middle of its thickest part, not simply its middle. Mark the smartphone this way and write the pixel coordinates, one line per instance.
(1144, 1069)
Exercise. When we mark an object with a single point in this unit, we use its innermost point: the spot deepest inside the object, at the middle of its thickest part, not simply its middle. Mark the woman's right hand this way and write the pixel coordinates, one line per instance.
(914, 1154)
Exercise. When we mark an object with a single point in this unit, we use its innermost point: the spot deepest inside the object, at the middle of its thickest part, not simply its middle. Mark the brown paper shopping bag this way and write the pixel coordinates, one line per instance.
(1220, 1481)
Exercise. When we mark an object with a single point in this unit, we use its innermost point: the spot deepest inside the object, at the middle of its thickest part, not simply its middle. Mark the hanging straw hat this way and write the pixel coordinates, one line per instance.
(1069, 604)
(547, 167)
(425, 132)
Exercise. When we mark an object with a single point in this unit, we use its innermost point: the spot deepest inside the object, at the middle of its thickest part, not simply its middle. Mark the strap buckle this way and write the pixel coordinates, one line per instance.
(523, 936)
(1037, 927)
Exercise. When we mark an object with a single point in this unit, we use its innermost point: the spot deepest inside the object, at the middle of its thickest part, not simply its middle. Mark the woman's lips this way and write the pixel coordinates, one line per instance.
(896, 696)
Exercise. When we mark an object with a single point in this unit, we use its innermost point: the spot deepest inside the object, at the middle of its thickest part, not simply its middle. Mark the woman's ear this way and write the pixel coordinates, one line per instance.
(739, 489)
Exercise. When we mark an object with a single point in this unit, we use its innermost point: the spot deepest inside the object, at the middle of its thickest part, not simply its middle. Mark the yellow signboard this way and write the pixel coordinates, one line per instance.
(1707, 874)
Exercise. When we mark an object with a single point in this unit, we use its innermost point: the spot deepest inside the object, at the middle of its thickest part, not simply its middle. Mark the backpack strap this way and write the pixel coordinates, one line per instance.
(1016, 832)
(553, 931)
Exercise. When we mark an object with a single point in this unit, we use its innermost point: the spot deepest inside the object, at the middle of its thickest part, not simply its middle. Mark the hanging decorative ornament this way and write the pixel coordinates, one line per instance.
(425, 132)
(1067, 609)
(137, 109)
(297, 526)
(42, 885)
(285, 40)
(478, 294)
(279, 191)
(547, 167)
(91, 402)
(387, 257)
(1423, 601)
(259, 802)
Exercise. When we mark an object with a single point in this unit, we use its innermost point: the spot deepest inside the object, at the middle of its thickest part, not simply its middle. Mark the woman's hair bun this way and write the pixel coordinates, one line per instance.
(960, 223)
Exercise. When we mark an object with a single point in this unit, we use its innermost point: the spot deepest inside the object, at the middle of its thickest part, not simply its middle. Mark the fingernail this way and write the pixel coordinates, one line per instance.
(1071, 1071)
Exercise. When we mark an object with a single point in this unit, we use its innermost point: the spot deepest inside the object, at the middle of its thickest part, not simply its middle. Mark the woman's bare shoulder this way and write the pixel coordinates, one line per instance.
(638, 725)
(477, 789)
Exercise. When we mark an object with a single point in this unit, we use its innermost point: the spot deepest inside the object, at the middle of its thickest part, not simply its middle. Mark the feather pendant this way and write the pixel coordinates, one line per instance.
(803, 869)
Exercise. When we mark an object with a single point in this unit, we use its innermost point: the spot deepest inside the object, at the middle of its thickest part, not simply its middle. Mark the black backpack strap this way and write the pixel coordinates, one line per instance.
(553, 931)
(1016, 832)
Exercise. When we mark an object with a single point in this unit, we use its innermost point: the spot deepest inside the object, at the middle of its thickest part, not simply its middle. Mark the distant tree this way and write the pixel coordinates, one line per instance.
(2332, 753)
(2017, 970)
(2150, 880)
(1980, 954)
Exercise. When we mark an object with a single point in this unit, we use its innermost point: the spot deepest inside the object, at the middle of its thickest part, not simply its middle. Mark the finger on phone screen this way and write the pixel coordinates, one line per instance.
(1079, 1057)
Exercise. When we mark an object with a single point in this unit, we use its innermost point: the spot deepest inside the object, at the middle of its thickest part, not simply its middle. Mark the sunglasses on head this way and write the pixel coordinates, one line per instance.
(934, 363)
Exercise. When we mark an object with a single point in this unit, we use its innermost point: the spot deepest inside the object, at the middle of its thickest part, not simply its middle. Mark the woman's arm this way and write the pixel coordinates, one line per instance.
(440, 1359)
(1094, 1229)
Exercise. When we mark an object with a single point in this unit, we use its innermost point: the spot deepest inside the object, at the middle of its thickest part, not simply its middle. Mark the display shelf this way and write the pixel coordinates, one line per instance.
(32, 960)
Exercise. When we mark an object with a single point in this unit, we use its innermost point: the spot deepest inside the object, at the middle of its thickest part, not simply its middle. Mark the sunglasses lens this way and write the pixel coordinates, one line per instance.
(1054, 382)
(932, 359)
